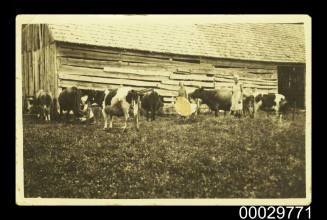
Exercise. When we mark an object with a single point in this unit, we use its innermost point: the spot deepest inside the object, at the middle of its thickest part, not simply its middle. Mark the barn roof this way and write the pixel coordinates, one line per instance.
(257, 42)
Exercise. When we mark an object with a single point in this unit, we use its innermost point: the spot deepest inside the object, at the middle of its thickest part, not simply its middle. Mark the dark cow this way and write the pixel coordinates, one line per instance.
(218, 99)
(70, 100)
(120, 102)
(43, 104)
(271, 102)
(221, 99)
(151, 102)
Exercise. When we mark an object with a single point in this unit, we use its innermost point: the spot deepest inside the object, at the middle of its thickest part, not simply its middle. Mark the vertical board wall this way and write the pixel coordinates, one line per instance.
(38, 60)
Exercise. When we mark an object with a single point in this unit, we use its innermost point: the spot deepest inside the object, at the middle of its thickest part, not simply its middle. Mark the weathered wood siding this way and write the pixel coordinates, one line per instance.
(96, 68)
(38, 60)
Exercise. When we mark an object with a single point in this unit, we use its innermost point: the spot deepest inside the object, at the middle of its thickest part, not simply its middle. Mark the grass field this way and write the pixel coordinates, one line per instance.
(205, 157)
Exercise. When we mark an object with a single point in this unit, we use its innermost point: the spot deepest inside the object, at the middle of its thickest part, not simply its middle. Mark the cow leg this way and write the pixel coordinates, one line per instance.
(39, 113)
(153, 114)
(279, 116)
(48, 117)
(48, 113)
(67, 115)
(110, 122)
(216, 112)
(125, 125)
(137, 122)
(197, 106)
(60, 114)
(125, 107)
(105, 118)
(147, 116)
(137, 113)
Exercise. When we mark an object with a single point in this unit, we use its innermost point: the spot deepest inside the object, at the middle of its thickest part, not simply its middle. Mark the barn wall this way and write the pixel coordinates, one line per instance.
(38, 59)
(97, 68)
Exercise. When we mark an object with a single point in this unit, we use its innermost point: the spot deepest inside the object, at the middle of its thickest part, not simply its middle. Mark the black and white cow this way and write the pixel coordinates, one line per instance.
(271, 102)
(120, 102)
(43, 104)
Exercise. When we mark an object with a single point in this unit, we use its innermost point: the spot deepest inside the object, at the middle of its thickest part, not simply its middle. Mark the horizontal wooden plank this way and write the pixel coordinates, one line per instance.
(230, 85)
(163, 92)
(90, 86)
(229, 72)
(103, 86)
(259, 87)
(126, 82)
(227, 78)
(219, 79)
(188, 83)
(223, 84)
(191, 77)
(175, 88)
(136, 71)
(81, 71)
(169, 99)
(100, 64)
(98, 76)
(86, 85)
(238, 63)
(89, 48)
(109, 56)
(244, 70)
(168, 87)
(136, 53)
(85, 54)
(194, 68)
(89, 54)
(223, 74)
(80, 62)
(100, 59)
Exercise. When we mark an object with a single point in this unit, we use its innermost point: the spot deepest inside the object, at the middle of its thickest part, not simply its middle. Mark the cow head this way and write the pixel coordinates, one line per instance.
(198, 93)
(28, 104)
(132, 95)
(284, 105)
(76, 94)
(258, 101)
(248, 105)
(134, 99)
(258, 98)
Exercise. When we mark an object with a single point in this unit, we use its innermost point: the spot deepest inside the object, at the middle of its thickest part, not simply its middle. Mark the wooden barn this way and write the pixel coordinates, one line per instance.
(267, 57)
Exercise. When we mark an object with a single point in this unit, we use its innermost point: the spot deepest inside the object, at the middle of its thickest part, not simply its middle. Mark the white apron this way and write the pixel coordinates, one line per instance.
(237, 99)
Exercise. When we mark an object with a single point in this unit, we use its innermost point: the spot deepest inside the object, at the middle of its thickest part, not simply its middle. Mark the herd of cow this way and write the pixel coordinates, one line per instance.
(126, 101)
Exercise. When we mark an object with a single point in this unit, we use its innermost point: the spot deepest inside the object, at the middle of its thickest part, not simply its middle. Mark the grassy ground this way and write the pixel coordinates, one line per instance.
(205, 157)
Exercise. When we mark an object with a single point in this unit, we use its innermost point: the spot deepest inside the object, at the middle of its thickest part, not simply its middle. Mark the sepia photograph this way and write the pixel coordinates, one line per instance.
(163, 110)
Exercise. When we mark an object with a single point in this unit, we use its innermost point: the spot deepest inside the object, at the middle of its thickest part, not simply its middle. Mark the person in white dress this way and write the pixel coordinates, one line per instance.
(237, 97)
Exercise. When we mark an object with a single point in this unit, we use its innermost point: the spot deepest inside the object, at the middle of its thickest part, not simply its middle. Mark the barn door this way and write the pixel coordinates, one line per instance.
(291, 83)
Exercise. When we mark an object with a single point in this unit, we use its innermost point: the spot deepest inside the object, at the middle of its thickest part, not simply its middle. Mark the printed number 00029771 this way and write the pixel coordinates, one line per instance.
(271, 212)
